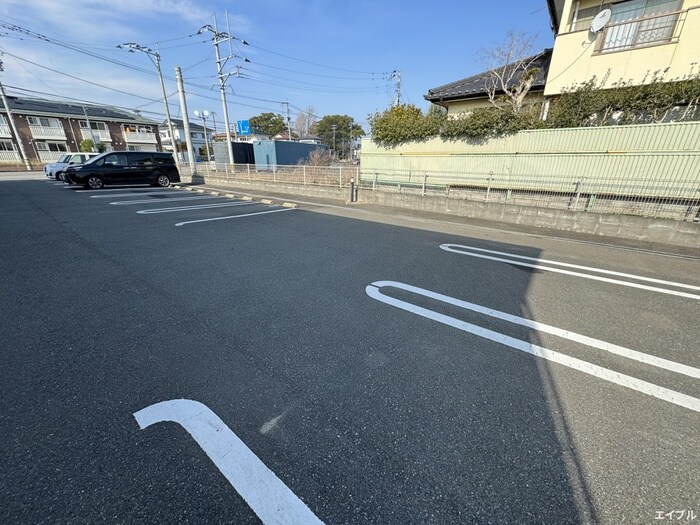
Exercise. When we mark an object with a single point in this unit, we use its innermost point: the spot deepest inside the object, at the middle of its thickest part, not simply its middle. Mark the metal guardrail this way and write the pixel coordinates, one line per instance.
(669, 197)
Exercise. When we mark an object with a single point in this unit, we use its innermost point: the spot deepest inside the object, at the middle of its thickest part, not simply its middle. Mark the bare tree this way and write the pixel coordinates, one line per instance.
(303, 122)
(512, 70)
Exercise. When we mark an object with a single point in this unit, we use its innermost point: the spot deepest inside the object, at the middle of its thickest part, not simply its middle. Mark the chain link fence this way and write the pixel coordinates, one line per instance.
(338, 176)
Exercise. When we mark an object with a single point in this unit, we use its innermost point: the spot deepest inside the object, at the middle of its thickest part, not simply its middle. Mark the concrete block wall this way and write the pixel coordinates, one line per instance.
(677, 233)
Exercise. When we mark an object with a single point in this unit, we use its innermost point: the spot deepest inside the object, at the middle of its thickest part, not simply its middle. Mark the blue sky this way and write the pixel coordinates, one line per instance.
(333, 56)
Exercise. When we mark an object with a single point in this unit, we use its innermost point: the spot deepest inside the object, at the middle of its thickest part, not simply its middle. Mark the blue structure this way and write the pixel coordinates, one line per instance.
(269, 153)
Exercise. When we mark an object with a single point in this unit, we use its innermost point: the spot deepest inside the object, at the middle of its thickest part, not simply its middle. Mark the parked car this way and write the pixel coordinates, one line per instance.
(125, 167)
(56, 170)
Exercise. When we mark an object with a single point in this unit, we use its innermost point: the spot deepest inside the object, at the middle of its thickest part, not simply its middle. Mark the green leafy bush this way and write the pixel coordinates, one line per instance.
(582, 105)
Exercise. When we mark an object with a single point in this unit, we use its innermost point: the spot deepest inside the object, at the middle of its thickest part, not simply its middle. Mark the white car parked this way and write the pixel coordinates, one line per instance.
(55, 170)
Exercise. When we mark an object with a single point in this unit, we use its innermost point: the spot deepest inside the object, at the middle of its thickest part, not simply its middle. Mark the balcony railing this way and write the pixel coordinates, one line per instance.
(9, 156)
(140, 137)
(5, 130)
(103, 135)
(50, 156)
(641, 32)
(41, 132)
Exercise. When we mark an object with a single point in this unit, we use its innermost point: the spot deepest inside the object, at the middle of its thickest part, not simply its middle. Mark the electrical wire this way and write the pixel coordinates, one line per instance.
(74, 77)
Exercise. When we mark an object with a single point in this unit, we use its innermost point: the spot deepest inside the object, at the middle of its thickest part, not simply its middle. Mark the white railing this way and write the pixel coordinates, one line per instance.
(50, 156)
(41, 132)
(140, 136)
(5, 130)
(9, 156)
(103, 136)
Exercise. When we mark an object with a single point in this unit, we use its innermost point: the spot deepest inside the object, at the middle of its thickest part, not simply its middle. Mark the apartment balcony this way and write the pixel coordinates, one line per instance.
(41, 132)
(5, 131)
(641, 32)
(140, 137)
(102, 135)
(50, 156)
(9, 156)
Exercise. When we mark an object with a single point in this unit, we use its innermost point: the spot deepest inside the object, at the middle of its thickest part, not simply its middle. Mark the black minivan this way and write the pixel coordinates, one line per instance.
(125, 167)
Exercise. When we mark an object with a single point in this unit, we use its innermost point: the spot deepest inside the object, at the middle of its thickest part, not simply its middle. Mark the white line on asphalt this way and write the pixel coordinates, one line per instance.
(196, 207)
(161, 201)
(271, 500)
(452, 248)
(639, 385)
(133, 188)
(136, 194)
(234, 216)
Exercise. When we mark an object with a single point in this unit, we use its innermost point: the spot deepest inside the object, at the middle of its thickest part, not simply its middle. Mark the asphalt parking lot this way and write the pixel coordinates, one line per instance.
(170, 355)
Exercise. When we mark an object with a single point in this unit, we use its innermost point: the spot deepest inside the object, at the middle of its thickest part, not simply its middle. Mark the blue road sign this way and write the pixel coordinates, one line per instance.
(243, 127)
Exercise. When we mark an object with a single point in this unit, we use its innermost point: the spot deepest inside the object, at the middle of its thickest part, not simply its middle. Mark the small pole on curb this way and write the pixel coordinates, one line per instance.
(352, 189)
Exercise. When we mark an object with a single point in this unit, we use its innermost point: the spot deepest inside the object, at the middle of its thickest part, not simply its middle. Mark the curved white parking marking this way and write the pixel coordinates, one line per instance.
(234, 216)
(455, 248)
(644, 387)
(160, 201)
(197, 207)
(271, 500)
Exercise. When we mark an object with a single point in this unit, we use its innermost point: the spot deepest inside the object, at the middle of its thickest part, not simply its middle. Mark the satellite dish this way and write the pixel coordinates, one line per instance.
(601, 20)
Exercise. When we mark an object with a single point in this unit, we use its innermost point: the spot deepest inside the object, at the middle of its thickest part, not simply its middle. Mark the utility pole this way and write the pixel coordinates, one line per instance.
(155, 58)
(218, 38)
(289, 127)
(185, 120)
(334, 127)
(20, 144)
(203, 115)
(87, 120)
(396, 75)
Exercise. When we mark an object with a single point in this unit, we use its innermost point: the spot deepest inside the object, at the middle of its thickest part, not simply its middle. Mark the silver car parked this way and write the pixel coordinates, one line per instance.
(56, 170)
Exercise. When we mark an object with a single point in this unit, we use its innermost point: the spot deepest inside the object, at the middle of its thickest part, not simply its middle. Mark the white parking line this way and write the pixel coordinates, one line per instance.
(271, 500)
(102, 190)
(160, 201)
(197, 207)
(233, 216)
(456, 248)
(137, 194)
(639, 385)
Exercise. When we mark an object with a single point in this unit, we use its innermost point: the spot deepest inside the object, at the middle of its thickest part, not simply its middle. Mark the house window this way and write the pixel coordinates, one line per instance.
(639, 23)
(131, 147)
(96, 126)
(6, 145)
(3, 120)
(44, 122)
(51, 146)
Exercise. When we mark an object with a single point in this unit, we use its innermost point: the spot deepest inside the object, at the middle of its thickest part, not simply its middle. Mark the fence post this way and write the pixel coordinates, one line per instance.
(488, 188)
(248, 170)
(577, 189)
(341, 177)
(425, 179)
(274, 173)
(304, 175)
(374, 183)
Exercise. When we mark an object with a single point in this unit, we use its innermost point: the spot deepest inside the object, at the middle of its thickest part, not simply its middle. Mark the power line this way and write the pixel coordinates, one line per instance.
(320, 65)
(76, 78)
(20, 90)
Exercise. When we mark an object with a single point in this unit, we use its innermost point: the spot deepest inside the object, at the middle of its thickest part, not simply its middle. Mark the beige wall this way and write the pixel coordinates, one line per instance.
(575, 61)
